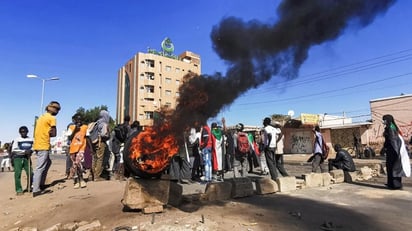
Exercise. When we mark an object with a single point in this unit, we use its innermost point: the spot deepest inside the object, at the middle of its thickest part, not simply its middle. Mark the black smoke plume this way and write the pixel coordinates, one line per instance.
(255, 52)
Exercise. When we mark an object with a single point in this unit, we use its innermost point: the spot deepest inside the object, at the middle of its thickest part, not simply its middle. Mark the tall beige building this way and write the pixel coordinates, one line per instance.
(151, 80)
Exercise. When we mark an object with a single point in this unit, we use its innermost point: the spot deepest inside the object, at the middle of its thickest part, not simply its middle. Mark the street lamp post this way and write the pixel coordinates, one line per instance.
(42, 88)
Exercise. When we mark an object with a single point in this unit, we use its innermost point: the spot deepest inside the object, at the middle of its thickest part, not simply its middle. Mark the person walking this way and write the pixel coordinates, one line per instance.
(21, 153)
(44, 130)
(397, 159)
(317, 159)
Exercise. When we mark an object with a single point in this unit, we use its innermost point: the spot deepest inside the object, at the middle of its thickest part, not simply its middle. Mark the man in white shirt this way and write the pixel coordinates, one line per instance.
(269, 142)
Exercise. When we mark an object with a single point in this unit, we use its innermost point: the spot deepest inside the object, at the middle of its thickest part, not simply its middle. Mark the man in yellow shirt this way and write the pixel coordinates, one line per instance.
(44, 130)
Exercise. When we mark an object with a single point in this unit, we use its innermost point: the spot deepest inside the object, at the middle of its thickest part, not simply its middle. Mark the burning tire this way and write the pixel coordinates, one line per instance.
(146, 154)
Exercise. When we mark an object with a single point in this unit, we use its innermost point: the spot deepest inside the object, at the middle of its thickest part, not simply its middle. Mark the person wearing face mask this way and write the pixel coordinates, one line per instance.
(44, 130)
(397, 159)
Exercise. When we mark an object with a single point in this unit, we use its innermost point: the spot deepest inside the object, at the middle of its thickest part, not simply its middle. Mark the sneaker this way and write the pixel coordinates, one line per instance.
(83, 184)
(76, 185)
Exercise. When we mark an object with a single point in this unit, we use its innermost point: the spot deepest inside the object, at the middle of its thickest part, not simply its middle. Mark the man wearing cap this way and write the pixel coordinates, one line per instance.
(44, 130)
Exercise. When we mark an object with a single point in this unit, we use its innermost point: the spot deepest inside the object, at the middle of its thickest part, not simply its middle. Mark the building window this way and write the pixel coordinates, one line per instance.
(149, 63)
(148, 99)
(149, 88)
(148, 115)
(168, 104)
(142, 76)
(168, 68)
(168, 80)
(177, 70)
(141, 89)
(168, 92)
(177, 82)
(177, 94)
(149, 75)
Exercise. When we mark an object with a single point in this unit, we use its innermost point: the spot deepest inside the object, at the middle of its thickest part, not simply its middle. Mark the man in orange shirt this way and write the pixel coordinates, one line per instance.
(44, 130)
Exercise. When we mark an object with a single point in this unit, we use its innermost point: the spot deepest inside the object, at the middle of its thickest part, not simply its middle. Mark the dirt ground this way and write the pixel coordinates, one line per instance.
(358, 206)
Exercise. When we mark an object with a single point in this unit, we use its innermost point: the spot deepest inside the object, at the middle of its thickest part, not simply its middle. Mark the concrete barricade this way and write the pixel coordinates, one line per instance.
(313, 179)
(241, 187)
(266, 185)
(175, 194)
(286, 183)
(337, 176)
(218, 191)
(326, 178)
(142, 193)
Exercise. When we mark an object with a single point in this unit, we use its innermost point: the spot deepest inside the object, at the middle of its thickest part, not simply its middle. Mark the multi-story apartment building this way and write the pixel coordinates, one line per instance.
(151, 80)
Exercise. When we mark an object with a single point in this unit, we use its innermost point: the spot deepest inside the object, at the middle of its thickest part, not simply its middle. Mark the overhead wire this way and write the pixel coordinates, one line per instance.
(334, 73)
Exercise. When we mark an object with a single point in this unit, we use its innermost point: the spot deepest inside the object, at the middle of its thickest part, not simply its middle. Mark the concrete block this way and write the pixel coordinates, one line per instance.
(313, 179)
(326, 178)
(142, 193)
(241, 187)
(300, 184)
(218, 191)
(366, 173)
(93, 226)
(266, 185)
(175, 194)
(337, 176)
(352, 176)
(286, 183)
(153, 209)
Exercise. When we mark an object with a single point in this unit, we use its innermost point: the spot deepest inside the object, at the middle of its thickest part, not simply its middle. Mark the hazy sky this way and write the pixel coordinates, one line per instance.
(85, 43)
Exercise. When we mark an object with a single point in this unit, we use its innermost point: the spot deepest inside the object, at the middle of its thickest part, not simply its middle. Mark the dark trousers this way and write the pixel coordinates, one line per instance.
(280, 165)
(317, 162)
(68, 163)
(271, 163)
(196, 168)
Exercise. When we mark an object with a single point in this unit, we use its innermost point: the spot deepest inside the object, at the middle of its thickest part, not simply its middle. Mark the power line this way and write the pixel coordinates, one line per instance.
(329, 91)
(334, 73)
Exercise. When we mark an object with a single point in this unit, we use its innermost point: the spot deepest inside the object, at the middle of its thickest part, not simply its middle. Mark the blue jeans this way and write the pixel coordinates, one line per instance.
(40, 173)
(207, 160)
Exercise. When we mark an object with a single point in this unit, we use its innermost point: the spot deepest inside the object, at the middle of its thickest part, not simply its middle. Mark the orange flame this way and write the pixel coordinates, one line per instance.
(152, 149)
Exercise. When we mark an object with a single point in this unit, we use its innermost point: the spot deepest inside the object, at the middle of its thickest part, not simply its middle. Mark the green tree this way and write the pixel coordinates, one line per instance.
(280, 118)
(91, 115)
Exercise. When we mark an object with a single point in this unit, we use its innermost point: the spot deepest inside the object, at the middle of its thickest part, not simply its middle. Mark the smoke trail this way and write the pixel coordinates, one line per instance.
(256, 52)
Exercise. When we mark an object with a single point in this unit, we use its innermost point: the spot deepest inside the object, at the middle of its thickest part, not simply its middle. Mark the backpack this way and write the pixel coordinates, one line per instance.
(93, 132)
(243, 145)
(325, 150)
(120, 132)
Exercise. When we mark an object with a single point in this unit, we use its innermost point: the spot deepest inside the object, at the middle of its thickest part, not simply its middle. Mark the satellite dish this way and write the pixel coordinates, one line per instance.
(291, 113)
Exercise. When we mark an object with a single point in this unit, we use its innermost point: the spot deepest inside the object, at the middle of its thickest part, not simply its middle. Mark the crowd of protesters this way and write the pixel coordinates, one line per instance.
(208, 153)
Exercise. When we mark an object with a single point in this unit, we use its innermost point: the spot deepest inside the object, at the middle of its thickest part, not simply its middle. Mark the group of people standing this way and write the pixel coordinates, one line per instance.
(24, 146)
(217, 150)
(104, 145)
(80, 140)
